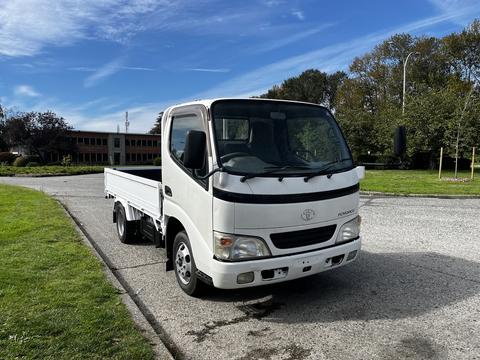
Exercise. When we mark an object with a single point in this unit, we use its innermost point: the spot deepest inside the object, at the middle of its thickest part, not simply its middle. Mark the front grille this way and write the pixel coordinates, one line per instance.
(300, 238)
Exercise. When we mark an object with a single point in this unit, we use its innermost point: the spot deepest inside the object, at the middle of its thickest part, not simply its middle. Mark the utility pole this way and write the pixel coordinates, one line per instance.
(127, 123)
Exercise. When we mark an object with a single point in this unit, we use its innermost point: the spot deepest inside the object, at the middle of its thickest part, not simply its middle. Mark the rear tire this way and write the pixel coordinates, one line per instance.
(185, 268)
(126, 230)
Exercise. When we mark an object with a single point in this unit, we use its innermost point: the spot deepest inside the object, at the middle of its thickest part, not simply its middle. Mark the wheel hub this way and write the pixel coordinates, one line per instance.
(120, 224)
(183, 263)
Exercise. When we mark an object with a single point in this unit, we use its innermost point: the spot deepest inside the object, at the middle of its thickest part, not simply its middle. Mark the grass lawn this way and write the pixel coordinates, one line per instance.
(55, 301)
(419, 182)
(49, 170)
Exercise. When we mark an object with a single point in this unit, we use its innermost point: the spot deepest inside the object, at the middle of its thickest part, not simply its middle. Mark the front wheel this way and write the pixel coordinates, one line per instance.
(185, 269)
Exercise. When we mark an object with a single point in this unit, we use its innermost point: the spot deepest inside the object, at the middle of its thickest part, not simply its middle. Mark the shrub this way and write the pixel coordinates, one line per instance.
(67, 160)
(7, 157)
(32, 164)
(20, 161)
(34, 158)
(157, 161)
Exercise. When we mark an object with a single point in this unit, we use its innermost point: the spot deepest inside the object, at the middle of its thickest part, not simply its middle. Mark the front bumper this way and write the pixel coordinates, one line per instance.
(224, 274)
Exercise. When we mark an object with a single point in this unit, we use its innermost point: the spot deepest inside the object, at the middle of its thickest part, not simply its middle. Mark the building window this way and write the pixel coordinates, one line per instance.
(99, 141)
(116, 142)
(87, 157)
(127, 142)
(86, 141)
(80, 157)
(80, 140)
(104, 142)
(144, 157)
(155, 143)
(149, 143)
(92, 141)
(127, 157)
(139, 157)
(144, 142)
(139, 142)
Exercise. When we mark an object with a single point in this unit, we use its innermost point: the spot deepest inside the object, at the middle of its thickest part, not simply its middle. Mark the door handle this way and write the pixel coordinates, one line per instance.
(168, 191)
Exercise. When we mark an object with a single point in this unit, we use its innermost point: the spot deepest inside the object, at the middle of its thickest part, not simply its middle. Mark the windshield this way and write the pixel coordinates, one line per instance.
(278, 138)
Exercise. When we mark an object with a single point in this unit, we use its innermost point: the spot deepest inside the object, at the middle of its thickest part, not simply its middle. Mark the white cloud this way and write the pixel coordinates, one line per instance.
(329, 58)
(298, 14)
(212, 70)
(284, 41)
(25, 91)
(26, 26)
(453, 6)
(103, 72)
(141, 117)
(107, 70)
(92, 69)
(271, 3)
(83, 69)
(137, 68)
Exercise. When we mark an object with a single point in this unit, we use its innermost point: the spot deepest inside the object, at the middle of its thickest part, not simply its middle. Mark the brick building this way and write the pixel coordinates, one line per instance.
(95, 147)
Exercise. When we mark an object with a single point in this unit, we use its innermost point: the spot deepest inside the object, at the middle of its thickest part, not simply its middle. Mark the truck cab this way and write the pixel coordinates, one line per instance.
(251, 192)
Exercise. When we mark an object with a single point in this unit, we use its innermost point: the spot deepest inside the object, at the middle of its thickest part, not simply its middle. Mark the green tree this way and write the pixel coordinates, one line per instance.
(157, 127)
(310, 86)
(39, 132)
(368, 102)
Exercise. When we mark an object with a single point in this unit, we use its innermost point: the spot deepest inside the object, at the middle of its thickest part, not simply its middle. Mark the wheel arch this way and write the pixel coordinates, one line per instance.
(128, 209)
(174, 226)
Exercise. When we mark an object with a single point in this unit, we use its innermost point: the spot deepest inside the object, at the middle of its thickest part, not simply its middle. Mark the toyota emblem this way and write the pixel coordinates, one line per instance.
(307, 214)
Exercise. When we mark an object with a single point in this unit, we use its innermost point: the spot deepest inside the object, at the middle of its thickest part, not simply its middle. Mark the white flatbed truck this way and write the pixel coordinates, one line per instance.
(250, 192)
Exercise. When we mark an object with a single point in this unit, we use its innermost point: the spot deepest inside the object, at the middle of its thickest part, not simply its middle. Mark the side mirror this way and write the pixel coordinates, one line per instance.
(194, 152)
(400, 141)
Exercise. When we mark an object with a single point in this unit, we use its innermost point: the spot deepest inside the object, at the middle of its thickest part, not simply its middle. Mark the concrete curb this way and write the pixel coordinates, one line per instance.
(163, 346)
(434, 196)
(46, 175)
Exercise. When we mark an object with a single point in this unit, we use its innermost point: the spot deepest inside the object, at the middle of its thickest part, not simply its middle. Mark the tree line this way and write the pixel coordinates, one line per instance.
(442, 96)
(38, 132)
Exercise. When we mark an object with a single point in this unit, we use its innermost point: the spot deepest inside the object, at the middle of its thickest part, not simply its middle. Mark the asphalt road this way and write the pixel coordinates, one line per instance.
(414, 293)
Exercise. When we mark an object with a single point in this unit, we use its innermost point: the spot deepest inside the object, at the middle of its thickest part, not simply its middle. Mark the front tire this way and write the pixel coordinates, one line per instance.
(185, 268)
(126, 230)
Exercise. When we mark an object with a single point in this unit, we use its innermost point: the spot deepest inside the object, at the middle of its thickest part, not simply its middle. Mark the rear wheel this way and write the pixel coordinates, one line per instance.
(126, 230)
(185, 269)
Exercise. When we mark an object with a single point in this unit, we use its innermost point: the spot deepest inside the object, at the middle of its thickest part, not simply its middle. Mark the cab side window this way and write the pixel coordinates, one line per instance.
(181, 125)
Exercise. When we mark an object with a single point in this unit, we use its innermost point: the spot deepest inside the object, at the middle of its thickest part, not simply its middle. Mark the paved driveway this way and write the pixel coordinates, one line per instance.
(413, 293)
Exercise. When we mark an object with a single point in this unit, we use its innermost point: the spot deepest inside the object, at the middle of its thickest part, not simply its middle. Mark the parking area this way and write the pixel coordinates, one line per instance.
(414, 292)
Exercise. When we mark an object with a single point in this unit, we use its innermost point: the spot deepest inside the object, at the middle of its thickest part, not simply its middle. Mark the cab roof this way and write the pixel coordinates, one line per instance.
(208, 102)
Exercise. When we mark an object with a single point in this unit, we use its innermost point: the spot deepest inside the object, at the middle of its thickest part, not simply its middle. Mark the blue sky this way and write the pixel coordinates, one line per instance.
(92, 60)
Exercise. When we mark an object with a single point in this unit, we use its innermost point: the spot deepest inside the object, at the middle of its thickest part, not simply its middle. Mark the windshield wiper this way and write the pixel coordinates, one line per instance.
(273, 170)
(325, 169)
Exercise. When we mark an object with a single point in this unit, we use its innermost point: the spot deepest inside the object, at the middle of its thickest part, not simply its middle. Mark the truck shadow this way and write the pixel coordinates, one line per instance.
(376, 286)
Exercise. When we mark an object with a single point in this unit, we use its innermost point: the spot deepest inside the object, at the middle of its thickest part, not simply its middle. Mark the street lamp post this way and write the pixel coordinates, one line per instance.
(405, 79)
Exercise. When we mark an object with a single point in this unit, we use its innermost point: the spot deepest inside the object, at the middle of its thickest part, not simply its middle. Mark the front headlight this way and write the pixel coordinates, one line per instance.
(349, 231)
(239, 247)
